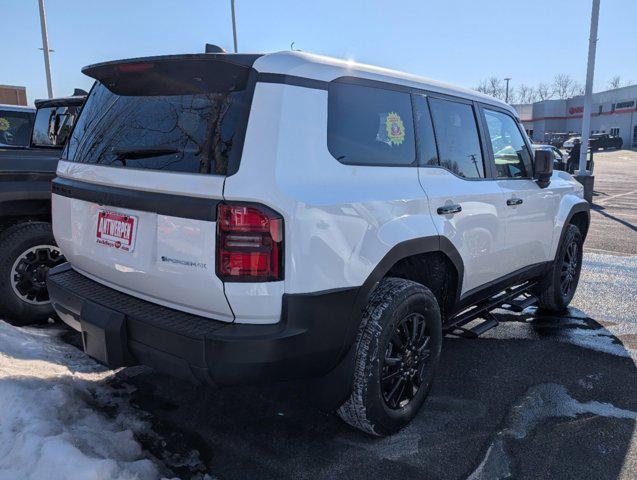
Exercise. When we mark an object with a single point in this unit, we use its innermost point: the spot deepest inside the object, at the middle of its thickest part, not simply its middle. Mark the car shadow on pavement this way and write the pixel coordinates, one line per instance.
(550, 397)
(601, 210)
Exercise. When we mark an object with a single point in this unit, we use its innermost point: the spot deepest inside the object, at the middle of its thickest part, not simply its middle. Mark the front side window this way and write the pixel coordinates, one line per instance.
(370, 126)
(510, 153)
(15, 129)
(457, 135)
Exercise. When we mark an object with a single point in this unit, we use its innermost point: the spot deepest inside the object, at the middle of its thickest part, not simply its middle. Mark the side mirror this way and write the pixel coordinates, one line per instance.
(543, 167)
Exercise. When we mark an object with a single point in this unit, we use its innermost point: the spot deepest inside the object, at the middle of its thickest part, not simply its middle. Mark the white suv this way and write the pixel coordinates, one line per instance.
(243, 218)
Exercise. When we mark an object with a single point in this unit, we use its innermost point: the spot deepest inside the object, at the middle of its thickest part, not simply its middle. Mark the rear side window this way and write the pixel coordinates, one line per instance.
(15, 129)
(457, 135)
(370, 126)
(176, 118)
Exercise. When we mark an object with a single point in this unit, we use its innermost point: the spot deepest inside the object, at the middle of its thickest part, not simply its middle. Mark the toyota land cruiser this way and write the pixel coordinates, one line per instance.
(236, 218)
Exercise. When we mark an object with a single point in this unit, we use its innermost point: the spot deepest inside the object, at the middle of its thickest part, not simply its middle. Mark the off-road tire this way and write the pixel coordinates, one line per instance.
(13, 243)
(551, 297)
(393, 300)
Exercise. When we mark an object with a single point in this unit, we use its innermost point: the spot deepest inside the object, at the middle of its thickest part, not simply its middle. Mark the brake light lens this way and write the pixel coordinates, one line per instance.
(249, 244)
(134, 67)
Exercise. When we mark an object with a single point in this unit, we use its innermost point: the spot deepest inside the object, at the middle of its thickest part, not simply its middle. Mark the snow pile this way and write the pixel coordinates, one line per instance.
(51, 420)
(548, 400)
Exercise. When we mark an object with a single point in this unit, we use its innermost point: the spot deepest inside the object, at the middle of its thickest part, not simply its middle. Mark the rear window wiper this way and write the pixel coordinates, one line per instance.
(137, 152)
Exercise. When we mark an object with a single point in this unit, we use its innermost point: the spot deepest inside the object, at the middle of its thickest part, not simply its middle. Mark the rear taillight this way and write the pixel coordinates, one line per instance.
(249, 244)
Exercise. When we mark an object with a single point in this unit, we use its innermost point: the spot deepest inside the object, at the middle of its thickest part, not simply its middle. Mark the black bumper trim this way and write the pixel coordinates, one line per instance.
(309, 341)
(169, 204)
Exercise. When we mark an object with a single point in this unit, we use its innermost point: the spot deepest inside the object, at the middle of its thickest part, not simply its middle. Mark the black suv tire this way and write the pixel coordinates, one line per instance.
(397, 351)
(27, 251)
(558, 291)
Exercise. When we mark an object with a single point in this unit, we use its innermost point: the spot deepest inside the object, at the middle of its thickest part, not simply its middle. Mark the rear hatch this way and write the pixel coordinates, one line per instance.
(138, 187)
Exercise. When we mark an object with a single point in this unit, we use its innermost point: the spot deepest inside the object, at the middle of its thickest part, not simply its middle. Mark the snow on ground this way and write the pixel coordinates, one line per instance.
(603, 314)
(53, 423)
(541, 402)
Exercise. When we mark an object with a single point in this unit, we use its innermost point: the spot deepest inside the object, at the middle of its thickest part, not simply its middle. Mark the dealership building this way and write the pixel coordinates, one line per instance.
(13, 95)
(614, 112)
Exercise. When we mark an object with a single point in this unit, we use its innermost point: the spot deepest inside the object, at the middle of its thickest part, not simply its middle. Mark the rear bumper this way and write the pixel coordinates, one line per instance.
(312, 337)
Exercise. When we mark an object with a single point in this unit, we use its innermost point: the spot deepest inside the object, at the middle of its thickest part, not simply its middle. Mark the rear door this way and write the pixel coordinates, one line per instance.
(530, 210)
(135, 201)
(467, 205)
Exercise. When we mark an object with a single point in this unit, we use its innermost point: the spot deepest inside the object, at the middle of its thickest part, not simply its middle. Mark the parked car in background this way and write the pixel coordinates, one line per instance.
(557, 139)
(27, 246)
(16, 124)
(570, 142)
(597, 141)
(559, 159)
(604, 141)
(235, 218)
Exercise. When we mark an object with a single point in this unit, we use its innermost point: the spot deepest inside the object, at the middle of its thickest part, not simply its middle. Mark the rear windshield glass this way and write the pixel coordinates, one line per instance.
(144, 129)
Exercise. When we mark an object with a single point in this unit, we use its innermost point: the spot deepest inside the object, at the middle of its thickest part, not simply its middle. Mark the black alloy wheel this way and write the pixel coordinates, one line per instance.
(405, 361)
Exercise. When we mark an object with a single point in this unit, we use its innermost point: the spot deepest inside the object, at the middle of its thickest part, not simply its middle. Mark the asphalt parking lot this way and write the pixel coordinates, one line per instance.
(614, 213)
(536, 397)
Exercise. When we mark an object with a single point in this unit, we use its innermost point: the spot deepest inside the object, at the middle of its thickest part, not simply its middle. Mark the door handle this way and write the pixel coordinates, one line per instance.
(449, 209)
(511, 202)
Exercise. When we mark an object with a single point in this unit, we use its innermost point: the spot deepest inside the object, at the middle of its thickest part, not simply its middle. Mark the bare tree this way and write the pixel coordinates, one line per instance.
(492, 86)
(496, 87)
(614, 82)
(482, 87)
(543, 91)
(526, 94)
(565, 87)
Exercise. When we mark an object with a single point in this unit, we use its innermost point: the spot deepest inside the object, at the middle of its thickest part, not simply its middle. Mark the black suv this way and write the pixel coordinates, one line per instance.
(605, 141)
(27, 247)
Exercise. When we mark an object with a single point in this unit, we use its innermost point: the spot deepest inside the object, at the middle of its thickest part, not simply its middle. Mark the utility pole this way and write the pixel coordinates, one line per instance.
(45, 49)
(584, 176)
(588, 92)
(234, 27)
(506, 96)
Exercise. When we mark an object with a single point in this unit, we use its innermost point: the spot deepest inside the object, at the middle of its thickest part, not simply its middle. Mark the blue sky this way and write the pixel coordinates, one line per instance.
(458, 41)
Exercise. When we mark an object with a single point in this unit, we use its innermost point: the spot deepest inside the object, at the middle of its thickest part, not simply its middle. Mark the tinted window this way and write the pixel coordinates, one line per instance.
(370, 126)
(15, 128)
(457, 135)
(509, 150)
(145, 129)
(53, 125)
(425, 140)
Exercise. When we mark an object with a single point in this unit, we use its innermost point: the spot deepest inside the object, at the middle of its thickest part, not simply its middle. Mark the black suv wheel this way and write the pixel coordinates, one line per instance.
(559, 289)
(27, 252)
(397, 351)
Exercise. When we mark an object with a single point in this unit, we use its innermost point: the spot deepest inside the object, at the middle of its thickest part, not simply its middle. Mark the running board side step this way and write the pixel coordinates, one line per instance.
(507, 299)
(474, 332)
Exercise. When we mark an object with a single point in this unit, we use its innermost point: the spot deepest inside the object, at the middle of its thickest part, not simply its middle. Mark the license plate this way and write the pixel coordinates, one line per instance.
(116, 230)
